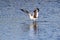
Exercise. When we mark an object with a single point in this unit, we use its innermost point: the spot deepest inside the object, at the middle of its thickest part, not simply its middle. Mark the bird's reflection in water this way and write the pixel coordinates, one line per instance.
(33, 29)
(35, 26)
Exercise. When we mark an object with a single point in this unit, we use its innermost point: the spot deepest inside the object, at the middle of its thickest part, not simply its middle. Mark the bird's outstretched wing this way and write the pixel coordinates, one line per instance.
(24, 11)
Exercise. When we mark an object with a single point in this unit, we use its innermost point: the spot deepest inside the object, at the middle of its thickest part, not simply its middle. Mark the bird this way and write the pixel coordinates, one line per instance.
(34, 15)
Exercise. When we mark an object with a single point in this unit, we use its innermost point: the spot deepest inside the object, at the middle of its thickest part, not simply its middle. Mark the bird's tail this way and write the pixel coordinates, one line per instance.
(24, 11)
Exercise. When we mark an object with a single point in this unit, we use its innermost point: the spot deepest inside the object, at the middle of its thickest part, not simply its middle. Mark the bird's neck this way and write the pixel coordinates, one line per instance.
(35, 14)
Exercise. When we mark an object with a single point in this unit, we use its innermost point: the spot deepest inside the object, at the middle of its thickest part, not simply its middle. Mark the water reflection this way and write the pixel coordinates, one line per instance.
(33, 29)
(30, 29)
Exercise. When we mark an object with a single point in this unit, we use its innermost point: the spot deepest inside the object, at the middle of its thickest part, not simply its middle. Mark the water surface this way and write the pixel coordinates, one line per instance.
(16, 25)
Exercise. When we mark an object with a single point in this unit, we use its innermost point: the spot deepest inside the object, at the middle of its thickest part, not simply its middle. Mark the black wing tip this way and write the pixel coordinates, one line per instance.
(21, 9)
(37, 9)
(24, 10)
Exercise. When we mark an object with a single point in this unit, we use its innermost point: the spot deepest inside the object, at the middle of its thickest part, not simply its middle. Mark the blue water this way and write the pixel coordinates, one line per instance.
(16, 25)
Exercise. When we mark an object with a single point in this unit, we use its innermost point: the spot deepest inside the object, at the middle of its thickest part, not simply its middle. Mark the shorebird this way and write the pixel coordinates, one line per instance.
(32, 16)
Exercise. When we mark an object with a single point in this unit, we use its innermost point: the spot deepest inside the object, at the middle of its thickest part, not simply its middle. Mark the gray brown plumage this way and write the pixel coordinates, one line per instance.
(35, 13)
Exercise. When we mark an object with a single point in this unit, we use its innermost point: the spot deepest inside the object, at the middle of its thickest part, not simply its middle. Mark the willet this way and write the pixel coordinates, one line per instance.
(32, 16)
